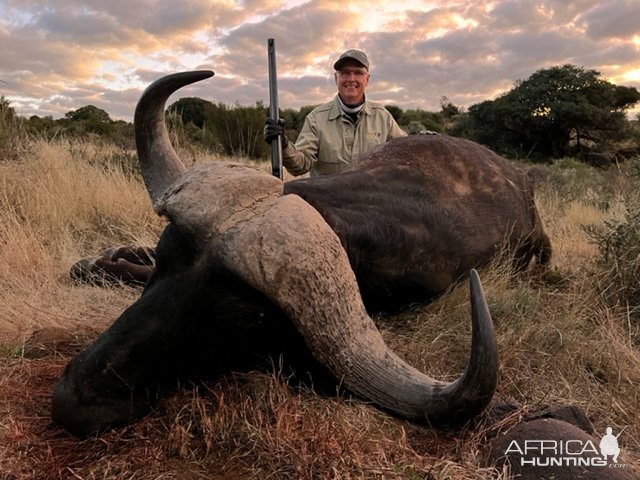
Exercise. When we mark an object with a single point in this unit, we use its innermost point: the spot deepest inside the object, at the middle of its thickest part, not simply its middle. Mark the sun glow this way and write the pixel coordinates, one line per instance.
(462, 22)
(632, 75)
(389, 15)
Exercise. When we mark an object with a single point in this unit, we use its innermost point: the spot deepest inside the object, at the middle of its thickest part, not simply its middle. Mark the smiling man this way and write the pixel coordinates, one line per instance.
(335, 133)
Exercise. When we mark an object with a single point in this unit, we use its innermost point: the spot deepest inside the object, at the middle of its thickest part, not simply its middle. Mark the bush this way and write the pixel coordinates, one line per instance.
(12, 133)
(619, 244)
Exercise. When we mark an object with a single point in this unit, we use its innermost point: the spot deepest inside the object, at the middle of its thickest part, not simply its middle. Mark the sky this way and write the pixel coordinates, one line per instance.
(59, 55)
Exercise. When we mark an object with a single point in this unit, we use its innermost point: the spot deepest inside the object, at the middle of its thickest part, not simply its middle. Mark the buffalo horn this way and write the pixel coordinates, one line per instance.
(291, 254)
(159, 162)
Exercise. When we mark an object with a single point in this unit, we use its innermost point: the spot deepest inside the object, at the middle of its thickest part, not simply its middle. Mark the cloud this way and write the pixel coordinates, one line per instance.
(59, 56)
(613, 20)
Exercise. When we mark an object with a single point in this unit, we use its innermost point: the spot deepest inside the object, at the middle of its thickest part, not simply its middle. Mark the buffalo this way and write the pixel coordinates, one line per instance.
(251, 270)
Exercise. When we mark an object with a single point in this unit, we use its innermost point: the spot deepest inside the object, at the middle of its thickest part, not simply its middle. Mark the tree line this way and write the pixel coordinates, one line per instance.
(558, 111)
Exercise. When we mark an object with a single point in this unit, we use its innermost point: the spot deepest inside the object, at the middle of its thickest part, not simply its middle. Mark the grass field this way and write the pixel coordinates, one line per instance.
(567, 335)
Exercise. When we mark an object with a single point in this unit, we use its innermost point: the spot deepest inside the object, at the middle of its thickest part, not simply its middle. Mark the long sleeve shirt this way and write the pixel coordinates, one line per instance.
(330, 139)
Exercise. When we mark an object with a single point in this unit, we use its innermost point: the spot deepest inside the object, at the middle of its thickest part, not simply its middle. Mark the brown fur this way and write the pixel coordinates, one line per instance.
(417, 213)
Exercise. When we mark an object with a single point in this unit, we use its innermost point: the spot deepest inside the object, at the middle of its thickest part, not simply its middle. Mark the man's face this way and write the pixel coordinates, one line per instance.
(352, 79)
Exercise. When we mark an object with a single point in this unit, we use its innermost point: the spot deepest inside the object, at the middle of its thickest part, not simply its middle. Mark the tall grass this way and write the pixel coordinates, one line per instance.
(563, 339)
(56, 206)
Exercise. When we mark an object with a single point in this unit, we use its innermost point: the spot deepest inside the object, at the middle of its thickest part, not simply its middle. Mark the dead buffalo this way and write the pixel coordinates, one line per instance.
(250, 269)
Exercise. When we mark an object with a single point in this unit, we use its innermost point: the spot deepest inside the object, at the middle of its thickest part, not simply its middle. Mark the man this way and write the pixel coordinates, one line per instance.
(336, 133)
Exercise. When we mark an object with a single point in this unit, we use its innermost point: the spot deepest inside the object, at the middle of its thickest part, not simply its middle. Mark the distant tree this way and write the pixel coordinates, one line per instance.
(89, 113)
(10, 130)
(553, 106)
(191, 110)
(89, 119)
(123, 134)
(395, 111)
(6, 110)
(447, 109)
(625, 97)
(415, 120)
(45, 127)
(239, 129)
(231, 130)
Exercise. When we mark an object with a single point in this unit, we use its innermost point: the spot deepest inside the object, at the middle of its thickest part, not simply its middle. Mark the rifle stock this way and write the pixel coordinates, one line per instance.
(276, 145)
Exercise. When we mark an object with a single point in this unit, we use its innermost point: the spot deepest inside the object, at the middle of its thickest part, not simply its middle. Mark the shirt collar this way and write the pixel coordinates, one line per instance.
(337, 112)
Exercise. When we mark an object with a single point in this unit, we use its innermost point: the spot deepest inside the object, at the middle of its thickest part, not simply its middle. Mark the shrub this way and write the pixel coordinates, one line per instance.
(12, 133)
(619, 244)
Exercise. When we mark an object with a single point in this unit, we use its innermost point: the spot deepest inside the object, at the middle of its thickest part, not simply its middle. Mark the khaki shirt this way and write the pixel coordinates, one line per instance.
(330, 140)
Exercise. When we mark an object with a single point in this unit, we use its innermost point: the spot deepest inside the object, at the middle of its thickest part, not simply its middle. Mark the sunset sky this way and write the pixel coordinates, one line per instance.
(59, 55)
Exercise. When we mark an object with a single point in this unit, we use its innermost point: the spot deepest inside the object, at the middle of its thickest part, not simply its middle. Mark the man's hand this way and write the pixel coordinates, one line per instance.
(273, 129)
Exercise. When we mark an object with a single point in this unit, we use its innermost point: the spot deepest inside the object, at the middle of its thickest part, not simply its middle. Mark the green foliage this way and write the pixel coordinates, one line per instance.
(12, 131)
(551, 108)
(191, 110)
(573, 180)
(230, 130)
(395, 111)
(87, 121)
(619, 245)
(294, 119)
(416, 120)
(448, 109)
(89, 114)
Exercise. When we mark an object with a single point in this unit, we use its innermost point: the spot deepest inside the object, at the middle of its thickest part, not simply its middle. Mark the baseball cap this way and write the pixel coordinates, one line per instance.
(357, 55)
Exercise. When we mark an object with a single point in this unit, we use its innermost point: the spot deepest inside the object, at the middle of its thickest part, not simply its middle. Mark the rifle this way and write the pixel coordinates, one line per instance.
(621, 431)
(276, 145)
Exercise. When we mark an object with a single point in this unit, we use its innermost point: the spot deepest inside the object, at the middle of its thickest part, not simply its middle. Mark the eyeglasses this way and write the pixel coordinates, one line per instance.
(356, 73)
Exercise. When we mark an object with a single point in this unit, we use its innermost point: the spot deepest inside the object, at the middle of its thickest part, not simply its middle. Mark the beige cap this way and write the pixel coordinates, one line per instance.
(357, 55)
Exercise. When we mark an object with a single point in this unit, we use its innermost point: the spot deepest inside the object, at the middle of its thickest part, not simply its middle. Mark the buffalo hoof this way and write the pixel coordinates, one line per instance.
(130, 265)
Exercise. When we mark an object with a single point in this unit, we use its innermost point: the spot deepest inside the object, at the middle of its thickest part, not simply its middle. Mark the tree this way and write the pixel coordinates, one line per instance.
(395, 111)
(6, 110)
(447, 109)
(191, 110)
(10, 130)
(88, 113)
(553, 106)
(89, 119)
(232, 130)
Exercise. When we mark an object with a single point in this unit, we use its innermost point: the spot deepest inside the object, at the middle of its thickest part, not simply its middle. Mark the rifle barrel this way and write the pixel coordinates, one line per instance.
(276, 145)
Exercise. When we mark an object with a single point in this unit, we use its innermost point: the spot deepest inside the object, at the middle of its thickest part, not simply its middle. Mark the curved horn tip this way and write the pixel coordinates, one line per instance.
(479, 307)
(475, 284)
(174, 81)
(203, 73)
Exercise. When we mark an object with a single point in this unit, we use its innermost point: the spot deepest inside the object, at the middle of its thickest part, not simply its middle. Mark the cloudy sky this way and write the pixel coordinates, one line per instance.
(59, 55)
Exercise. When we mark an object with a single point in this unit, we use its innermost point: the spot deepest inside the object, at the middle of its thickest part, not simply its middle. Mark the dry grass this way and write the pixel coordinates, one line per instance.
(561, 341)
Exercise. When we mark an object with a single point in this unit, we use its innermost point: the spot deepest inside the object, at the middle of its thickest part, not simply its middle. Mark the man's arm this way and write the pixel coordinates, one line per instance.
(298, 158)
(394, 129)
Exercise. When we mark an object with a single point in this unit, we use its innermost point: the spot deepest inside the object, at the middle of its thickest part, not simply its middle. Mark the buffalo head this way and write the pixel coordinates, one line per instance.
(245, 272)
